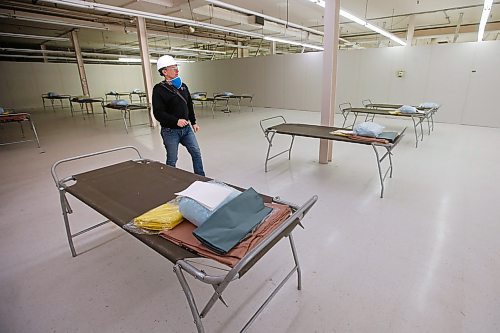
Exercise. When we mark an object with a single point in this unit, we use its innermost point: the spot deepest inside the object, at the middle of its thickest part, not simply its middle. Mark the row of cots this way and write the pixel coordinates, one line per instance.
(136, 95)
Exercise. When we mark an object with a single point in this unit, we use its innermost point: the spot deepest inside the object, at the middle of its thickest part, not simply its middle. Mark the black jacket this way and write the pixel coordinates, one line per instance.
(168, 107)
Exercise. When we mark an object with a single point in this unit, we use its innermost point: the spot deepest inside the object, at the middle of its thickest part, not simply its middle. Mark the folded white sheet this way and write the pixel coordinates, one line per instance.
(209, 195)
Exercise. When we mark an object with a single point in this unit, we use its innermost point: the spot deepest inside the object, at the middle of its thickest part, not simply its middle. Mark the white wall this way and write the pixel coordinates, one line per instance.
(438, 73)
(22, 84)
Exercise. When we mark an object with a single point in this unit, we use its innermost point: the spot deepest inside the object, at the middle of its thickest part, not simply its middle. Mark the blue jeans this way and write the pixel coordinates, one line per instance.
(185, 136)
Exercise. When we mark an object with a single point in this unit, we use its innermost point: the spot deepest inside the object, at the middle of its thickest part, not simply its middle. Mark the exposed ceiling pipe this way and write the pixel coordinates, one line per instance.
(267, 17)
(157, 17)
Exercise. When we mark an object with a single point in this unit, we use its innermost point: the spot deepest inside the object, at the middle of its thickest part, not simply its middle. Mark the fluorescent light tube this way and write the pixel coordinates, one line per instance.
(197, 50)
(484, 19)
(8, 34)
(153, 61)
(284, 41)
(362, 22)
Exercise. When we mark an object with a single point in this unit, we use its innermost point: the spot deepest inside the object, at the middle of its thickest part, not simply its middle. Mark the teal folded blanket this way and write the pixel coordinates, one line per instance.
(231, 223)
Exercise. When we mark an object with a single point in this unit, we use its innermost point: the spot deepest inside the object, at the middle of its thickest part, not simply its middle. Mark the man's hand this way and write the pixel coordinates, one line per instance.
(196, 128)
(182, 122)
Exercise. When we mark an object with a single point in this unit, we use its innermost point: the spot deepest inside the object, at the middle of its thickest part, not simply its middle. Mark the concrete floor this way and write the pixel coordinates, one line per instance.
(423, 259)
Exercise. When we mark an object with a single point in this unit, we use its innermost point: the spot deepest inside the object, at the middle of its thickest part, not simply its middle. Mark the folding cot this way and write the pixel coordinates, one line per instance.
(367, 103)
(325, 132)
(52, 98)
(140, 95)
(117, 95)
(19, 118)
(125, 112)
(87, 101)
(127, 189)
(238, 97)
(199, 97)
(417, 118)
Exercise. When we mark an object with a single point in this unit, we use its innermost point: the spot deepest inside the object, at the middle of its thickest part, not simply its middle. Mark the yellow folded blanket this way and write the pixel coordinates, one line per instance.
(166, 216)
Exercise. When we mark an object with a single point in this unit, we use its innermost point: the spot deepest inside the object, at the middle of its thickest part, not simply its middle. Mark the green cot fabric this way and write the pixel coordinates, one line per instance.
(231, 223)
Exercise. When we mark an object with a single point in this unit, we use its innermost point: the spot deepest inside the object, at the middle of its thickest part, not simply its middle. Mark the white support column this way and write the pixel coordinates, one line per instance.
(329, 81)
(240, 50)
(79, 61)
(411, 30)
(146, 65)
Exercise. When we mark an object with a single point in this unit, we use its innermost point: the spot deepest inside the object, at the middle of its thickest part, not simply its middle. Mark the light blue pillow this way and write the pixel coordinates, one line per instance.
(52, 94)
(408, 109)
(1, 110)
(196, 213)
(137, 91)
(368, 128)
(119, 102)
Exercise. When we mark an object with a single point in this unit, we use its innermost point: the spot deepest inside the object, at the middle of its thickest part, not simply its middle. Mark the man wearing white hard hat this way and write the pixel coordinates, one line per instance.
(173, 108)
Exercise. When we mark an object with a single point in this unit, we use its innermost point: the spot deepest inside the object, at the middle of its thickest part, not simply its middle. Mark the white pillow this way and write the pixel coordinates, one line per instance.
(368, 128)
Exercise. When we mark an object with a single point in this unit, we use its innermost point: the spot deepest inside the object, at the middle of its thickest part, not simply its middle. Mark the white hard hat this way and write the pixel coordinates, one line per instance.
(165, 61)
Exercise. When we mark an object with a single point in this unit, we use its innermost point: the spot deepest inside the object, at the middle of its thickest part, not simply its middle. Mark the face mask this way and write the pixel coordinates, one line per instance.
(177, 82)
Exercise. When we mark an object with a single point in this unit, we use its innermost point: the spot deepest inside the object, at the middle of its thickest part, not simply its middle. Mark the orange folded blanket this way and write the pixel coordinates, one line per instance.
(182, 235)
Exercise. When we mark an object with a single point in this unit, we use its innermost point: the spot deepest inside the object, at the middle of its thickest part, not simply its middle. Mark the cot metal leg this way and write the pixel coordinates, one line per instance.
(190, 298)
(213, 109)
(269, 298)
(382, 175)
(43, 102)
(345, 118)
(22, 129)
(62, 106)
(251, 103)
(415, 129)
(52, 102)
(239, 104)
(270, 140)
(124, 116)
(296, 260)
(34, 132)
(104, 114)
(66, 209)
(421, 120)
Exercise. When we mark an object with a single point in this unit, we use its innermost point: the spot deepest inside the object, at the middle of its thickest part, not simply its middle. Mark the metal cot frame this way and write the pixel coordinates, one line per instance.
(116, 95)
(367, 103)
(19, 118)
(156, 172)
(140, 95)
(323, 132)
(53, 98)
(125, 112)
(214, 100)
(417, 118)
(86, 101)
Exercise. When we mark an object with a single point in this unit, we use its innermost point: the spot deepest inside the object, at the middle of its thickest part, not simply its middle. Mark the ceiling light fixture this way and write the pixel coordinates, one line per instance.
(484, 18)
(8, 34)
(362, 22)
(50, 21)
(153, 61)
(196, 50)
(279, 40)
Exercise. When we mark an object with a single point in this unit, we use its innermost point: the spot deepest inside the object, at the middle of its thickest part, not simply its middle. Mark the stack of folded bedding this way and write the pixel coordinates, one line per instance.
(367, 132)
